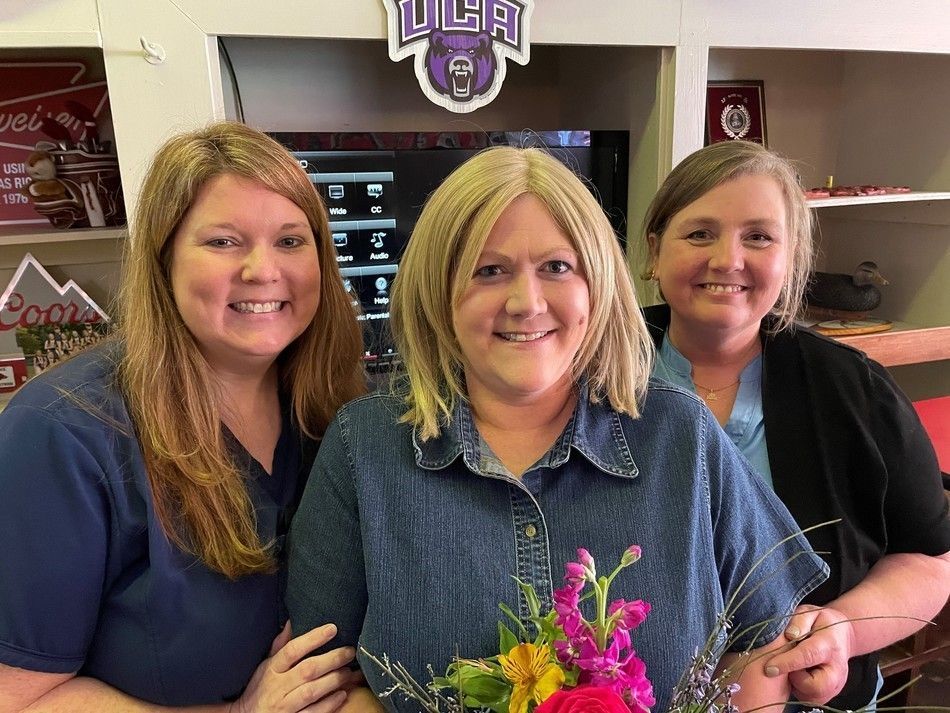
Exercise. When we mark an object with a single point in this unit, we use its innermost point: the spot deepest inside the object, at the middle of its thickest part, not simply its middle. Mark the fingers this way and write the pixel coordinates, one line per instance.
(328, 704)
(818, 685)
(817, 667)
(801, 622)
(296, 649)
(801, 657)
(280, 640)
(318, 690)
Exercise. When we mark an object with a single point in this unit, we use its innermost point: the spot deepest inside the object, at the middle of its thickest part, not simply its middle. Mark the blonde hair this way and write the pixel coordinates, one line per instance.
(703, 170)
(199, 494)
(616, 353)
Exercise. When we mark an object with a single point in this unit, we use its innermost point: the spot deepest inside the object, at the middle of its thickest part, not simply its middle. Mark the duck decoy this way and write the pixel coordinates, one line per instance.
(846, 296)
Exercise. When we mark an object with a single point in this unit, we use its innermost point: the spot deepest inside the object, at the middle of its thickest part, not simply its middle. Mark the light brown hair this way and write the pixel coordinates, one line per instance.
(616, 354)
(199, 494)
(703, 170)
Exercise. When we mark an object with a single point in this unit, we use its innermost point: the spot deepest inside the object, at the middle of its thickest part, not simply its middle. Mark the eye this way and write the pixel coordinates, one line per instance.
(759, 240)
(290, 241)
(220, 242)
(699, 236)
(558, 266)
(488, 271)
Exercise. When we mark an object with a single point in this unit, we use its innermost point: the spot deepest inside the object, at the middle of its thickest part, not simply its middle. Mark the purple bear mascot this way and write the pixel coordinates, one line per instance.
(461, 65)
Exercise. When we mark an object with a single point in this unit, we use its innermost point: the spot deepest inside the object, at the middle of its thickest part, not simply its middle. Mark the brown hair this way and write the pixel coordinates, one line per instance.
(616, 354)
(199, 495)
(703, 170)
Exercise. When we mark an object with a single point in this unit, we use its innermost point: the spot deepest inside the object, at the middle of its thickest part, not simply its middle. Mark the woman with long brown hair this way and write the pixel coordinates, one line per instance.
(147, 483)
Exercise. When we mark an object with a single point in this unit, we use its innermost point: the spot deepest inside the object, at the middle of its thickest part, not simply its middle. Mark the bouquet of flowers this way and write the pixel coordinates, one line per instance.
(574, 663)
(569, 664)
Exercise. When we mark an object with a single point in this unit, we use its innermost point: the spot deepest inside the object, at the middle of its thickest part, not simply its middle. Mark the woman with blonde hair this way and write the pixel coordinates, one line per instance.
(730, 248)
(523, 429)
(147, 483)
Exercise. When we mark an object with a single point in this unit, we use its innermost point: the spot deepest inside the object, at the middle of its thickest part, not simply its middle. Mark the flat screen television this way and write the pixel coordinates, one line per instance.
(375, 184)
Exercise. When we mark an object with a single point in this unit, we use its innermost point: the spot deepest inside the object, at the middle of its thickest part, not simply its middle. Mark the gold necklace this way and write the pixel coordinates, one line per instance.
(712, 394)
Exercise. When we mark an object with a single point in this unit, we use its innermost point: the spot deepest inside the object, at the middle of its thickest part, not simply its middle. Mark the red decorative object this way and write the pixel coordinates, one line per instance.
(53, 165)
(735, 110)
(12, 373)
(935, 415)
(42, 322)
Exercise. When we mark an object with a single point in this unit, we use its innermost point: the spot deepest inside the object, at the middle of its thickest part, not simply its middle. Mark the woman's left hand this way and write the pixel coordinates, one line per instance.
(817, 667)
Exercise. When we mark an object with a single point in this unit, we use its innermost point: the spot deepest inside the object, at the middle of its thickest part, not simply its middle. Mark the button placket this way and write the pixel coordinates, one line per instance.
(532, 551)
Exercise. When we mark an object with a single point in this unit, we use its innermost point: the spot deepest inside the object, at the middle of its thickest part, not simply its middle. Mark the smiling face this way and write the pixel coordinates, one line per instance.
(244, 272)
(722, 260)
(524, 313)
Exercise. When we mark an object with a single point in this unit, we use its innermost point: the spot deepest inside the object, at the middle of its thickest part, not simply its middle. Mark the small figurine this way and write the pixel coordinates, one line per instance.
(845, 296)
(75, 184)
(51, 196)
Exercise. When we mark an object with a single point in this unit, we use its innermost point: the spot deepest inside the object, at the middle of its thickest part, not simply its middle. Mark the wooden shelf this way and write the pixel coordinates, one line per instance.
(34, 234)
(913, 196)
(904, 344)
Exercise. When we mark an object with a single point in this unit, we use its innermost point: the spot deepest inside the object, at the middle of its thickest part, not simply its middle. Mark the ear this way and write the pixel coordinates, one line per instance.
(653, 247)
(484, 41)
(437, 41)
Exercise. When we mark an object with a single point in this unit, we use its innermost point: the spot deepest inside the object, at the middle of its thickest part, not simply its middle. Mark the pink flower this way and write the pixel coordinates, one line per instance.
(567, 614)
(566, 600)
(584, 699)
(566, 651)
(630, 555)
(575, 574)
(632, 613)
(585, 559)
(637, 689)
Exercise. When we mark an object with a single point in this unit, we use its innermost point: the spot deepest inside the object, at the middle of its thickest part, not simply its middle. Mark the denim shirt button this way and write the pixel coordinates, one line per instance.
(530, 530)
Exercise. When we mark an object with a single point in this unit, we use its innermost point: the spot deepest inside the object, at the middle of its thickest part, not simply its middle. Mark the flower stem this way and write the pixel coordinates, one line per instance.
(600, 590)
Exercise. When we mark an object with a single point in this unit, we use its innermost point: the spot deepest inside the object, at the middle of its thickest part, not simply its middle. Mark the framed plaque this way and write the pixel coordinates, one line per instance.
(735, 109)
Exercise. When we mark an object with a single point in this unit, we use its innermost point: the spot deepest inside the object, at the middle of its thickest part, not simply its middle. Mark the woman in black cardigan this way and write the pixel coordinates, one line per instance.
(730, 247)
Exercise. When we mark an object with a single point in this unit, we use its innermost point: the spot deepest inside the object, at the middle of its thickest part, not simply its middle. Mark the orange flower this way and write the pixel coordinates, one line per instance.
(532, 673)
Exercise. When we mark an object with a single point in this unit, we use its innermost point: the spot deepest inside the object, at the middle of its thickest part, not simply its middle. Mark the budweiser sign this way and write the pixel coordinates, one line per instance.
(31, 92)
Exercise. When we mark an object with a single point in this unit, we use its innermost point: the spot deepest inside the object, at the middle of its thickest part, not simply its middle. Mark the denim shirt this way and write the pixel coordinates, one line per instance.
(409, 546)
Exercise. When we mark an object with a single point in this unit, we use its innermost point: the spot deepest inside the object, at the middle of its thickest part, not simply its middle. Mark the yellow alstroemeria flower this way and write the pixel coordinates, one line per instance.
(533, 675)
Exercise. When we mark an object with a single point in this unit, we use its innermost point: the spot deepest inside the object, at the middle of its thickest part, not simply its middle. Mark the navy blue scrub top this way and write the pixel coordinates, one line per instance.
(90, 583)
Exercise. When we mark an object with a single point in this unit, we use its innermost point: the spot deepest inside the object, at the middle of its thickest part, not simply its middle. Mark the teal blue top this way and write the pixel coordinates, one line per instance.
(746, 425)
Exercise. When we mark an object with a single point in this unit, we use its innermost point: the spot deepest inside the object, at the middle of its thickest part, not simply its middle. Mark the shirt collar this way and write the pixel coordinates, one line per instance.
(594, 431)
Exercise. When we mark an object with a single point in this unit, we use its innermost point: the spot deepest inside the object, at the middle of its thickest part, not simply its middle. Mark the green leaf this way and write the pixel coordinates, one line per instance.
(506, 639)
(514, 617)
(486, 689)
(571, 674)
(497, 707)
(531, 598)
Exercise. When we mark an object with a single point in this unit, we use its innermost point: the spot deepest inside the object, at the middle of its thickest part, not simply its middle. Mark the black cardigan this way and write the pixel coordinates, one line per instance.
(844, 442)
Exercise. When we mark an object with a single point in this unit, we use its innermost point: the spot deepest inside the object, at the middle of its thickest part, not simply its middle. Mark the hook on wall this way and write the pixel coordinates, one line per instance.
(154, 53)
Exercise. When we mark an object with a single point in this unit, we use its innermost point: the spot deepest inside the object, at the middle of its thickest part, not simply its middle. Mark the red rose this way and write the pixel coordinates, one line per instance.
(584, 699)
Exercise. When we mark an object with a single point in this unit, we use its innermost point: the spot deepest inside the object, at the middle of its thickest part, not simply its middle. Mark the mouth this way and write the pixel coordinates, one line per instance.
(257, 307)
(720, 289)
(523, 336)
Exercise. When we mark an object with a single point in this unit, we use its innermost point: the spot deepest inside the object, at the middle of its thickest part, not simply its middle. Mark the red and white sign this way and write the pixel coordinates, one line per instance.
(43, 322)
(30, 92)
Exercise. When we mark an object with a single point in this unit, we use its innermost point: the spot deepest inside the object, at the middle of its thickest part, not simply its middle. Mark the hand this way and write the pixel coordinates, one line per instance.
(287, 682)
(817, 666)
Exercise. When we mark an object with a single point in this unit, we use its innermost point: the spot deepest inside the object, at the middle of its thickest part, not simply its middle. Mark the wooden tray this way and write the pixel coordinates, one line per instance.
(841, 328)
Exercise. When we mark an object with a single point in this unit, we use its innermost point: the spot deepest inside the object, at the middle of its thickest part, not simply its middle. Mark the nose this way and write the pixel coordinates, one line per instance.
(260, 265)
(726, 255)
(525, 296)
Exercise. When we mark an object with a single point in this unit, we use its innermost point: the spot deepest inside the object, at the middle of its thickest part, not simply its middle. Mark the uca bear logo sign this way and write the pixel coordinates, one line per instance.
(460, 46)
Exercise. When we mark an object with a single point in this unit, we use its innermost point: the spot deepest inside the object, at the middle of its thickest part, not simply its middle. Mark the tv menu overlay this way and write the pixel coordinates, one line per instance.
(370, 287)
(362, 209)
